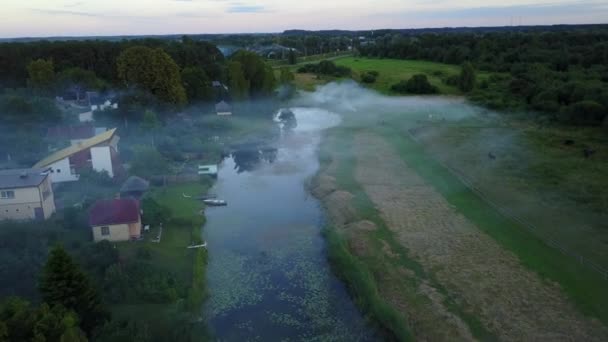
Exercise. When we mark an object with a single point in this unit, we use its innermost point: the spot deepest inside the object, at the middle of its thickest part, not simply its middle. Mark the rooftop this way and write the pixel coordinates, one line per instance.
(115, 211)
(21, 178)
(68, 151)
(222, 107)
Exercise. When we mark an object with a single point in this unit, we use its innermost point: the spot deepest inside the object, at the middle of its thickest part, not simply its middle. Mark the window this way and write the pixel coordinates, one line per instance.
(7, 194)
(58, 170)
(105, 231)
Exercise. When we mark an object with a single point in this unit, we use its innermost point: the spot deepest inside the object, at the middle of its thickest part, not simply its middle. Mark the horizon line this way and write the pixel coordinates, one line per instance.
(295, 29)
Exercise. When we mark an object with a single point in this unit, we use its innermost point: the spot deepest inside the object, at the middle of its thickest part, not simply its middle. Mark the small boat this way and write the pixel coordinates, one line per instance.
(206, 197)
(215, 202)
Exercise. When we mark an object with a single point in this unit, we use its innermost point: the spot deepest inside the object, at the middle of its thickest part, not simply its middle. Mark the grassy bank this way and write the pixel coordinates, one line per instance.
(383, 276)
(585, 287)
(377, 279)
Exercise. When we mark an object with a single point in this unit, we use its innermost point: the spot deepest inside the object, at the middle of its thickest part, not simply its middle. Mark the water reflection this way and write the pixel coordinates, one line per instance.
(247, 160)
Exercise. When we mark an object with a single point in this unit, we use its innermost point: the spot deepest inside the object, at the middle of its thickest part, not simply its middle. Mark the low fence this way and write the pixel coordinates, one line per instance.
(510, 215)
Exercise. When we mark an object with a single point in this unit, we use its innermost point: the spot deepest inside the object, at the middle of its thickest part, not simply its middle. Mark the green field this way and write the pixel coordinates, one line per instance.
(394, 70)
(390, 71)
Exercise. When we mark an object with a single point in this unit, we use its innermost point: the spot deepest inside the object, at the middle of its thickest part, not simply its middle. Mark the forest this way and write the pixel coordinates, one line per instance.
(560, 76)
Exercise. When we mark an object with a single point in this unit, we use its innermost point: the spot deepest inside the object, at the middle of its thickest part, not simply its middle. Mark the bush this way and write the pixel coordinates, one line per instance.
(154, 212)
(583, 113)
(451, 80)
(418, 84)
(368, 77)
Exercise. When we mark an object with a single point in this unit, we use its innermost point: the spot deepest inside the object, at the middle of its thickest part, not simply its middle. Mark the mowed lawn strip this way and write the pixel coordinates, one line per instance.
(585, 287)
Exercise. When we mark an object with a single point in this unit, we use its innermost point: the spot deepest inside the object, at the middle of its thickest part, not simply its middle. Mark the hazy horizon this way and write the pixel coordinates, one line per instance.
(72, 18)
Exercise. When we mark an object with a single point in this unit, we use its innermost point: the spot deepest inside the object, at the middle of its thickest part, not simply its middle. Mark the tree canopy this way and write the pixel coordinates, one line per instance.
(197, 84)
(259, 77)
(153, 70)
(41, 75)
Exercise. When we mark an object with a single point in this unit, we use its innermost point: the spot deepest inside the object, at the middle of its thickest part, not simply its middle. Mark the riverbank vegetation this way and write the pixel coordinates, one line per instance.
(369, 243)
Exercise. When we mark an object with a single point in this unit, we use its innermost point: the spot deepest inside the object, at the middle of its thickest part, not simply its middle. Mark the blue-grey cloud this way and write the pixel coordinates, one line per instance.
(238, 8)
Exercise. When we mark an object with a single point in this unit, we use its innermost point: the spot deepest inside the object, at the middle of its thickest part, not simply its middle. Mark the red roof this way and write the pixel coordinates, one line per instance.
(71, 132)
(116, 211)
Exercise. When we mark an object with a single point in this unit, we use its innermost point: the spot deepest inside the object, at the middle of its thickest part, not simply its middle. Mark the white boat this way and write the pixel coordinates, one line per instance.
(215, 202)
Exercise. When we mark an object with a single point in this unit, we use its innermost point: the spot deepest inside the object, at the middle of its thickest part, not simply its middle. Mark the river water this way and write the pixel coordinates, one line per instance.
(268, 274)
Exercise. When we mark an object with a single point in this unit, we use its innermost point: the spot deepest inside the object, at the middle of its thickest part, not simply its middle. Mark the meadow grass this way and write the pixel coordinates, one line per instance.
(392, 71)
(362, 273)
(585, 287)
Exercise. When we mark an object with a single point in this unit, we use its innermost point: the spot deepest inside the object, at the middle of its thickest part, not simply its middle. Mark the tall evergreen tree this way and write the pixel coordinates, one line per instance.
(63, 283)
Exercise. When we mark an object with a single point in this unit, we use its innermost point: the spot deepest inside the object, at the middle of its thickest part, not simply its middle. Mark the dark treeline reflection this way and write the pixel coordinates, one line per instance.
(250, 159)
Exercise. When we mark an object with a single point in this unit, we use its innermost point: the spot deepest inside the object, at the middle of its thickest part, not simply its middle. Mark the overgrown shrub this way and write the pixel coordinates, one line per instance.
(418, 84)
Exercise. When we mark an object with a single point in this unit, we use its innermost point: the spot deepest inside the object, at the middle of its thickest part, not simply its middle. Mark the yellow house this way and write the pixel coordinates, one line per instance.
(26, 194)
(115, 220)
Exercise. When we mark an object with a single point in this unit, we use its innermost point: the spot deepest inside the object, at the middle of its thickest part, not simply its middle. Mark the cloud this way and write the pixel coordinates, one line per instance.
(241, 8)
(65, 12)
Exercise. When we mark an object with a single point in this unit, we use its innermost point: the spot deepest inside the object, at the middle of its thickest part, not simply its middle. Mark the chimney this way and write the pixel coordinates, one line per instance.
(23, 174)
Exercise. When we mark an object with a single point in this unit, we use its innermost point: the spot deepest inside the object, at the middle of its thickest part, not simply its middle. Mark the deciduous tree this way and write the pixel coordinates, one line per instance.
(154, 71)
(41, 75)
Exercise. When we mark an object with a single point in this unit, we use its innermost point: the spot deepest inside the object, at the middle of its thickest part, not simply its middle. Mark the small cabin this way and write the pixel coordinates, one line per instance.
(207, 170)
(223, 108)
(115, 220)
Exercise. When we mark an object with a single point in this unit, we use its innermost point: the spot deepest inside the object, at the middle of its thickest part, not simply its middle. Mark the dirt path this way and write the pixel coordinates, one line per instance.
(488, 281)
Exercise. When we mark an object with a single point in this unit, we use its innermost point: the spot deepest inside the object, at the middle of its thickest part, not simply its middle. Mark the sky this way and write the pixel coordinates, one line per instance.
(44, 18)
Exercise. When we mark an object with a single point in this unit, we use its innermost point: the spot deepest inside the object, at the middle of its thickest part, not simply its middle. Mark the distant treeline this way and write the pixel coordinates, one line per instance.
(563, 75)
(99, 56)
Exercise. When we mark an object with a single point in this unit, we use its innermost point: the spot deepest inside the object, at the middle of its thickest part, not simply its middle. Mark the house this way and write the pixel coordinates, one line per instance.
(99, 153)
(86, 117)
(218, 84)
(115, 220)
(26, 194)
(74, 133)
(134, 187)
(98, 102)
(223, 108)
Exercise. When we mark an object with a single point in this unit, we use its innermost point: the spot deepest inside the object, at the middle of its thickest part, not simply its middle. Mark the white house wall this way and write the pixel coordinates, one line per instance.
(60, 171)
(101, 158)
